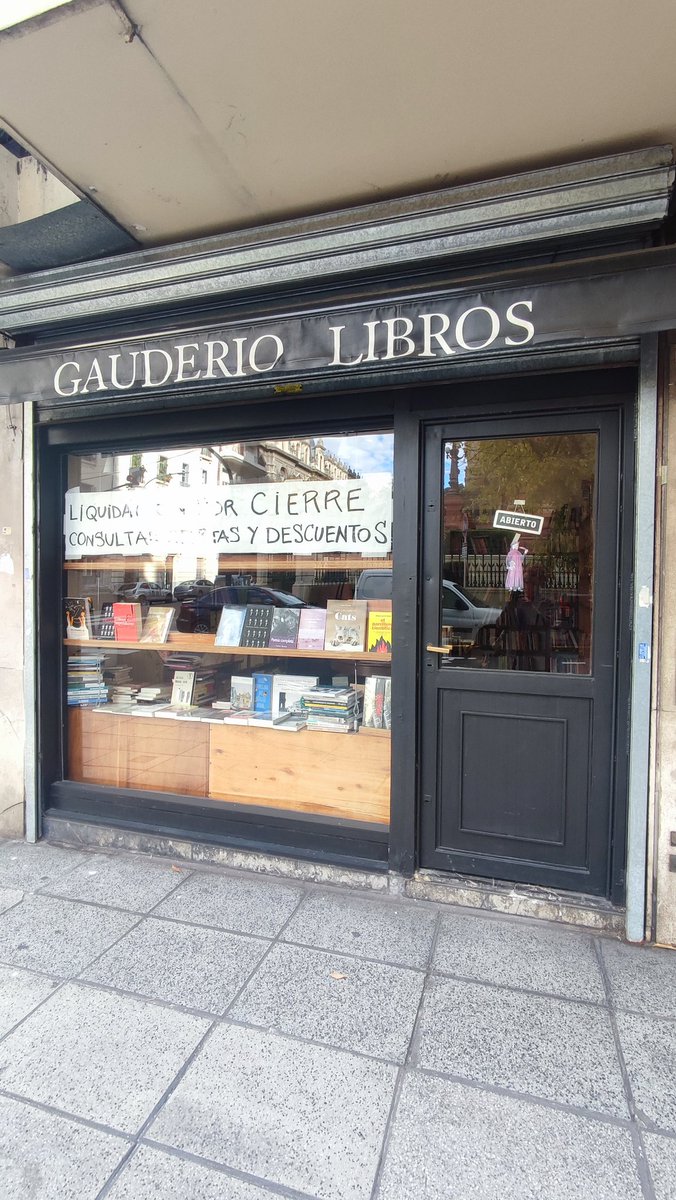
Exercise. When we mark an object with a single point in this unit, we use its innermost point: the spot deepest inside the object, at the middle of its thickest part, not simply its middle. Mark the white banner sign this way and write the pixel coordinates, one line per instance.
(304, 517)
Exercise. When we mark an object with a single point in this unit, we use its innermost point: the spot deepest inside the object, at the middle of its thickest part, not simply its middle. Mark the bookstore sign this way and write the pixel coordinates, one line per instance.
(351, 516)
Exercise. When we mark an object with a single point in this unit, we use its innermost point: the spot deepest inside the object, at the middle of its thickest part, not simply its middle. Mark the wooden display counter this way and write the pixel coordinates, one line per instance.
(332, 774)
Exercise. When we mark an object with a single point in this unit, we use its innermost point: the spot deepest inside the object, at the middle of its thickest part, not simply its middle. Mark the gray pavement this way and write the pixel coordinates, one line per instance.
(169, 1033)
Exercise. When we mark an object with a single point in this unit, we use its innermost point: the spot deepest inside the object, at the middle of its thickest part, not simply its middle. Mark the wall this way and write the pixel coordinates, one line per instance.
(665, 691)
(12, 723)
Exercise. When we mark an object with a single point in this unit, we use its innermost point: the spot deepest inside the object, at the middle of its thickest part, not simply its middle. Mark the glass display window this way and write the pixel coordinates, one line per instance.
(228, 623)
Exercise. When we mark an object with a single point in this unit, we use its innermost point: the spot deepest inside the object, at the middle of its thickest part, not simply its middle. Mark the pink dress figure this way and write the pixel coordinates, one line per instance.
(514, 563)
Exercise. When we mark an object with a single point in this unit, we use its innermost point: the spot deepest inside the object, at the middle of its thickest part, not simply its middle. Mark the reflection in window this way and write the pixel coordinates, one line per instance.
(513, 597)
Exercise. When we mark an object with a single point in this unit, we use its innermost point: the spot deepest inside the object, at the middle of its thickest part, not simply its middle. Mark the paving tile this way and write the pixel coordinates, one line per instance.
(557, 1049)
(151, 1174)
(232, 902)
(649, 1048)
(28, 867)
(396, 933)
(519, 954)
(9, 897)
(371, 1007)
(182, 964)
(96, 1055)
(302, 1116)
(62, 937)
(643, 978)
(20, 992)
(661, 1152)
(44, 1156)
(451, 1142)
(135, 883)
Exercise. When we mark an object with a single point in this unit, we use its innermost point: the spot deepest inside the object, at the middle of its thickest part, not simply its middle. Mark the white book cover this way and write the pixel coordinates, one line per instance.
(287, 691)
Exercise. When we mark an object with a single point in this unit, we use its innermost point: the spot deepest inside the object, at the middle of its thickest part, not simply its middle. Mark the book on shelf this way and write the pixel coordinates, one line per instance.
(77, 611)
(287, 692)
(345, 626)
(182, 688)
(230, 625)
(377, 702)
(262, 691)
(257, 624)
(237, 717)
(284, 629)
(128, 621)
(311, 629)
(177, 711)
(148, 710)
(103, 626)
(379, 637)
(241, 692)
(157, 624)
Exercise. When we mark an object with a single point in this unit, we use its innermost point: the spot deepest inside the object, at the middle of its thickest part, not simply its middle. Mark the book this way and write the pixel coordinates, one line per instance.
(78, 618)
(262, 691)
(157, 624)
(257, 623)
(128, 621)
(103, 626)
(182, 689)
(345, 626)
(230, 625)
(379, 638)
(377, 702)
(287, 691)
(241, 692)
(311, 629)
(284, 629)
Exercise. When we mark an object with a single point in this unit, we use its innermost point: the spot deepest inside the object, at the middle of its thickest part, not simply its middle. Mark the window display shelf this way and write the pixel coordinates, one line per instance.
(251, 562)
(203, 643)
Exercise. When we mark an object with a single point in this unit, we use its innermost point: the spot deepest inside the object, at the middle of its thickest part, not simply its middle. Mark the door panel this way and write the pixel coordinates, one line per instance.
(519, 648)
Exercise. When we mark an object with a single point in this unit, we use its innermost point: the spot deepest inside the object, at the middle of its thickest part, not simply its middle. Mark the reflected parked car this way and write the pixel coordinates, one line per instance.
(145, 592)
(461, 611)
(192, 587)
(201, 614)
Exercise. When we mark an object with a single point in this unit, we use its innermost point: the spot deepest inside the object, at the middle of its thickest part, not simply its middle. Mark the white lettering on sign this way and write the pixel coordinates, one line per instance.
(518, 522)
(420, 335)
(271, 518)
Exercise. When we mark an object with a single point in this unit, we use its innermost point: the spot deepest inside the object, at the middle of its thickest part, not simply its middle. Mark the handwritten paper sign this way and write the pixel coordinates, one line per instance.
(304, 517)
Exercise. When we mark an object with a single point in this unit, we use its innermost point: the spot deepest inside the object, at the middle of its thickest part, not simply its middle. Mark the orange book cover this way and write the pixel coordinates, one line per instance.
(128, 621)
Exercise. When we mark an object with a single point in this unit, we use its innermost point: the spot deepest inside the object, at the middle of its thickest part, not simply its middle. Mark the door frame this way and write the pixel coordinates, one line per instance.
(555, 393)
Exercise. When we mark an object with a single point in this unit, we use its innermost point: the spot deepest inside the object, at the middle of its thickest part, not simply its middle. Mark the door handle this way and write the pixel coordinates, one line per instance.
(439, 649)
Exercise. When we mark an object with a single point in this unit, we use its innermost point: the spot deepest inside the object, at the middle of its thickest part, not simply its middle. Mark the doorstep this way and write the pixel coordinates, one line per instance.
(568, 908)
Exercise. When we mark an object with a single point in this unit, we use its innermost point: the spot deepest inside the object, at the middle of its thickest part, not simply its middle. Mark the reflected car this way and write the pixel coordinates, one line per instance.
(145, 592)
(459, 610)
(201, 614)
(192, 587)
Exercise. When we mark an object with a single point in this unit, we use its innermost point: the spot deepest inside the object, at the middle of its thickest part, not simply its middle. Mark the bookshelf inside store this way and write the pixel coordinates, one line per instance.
(239, 674)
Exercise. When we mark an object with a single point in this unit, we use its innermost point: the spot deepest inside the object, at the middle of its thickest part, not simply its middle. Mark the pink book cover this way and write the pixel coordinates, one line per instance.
(311, 629)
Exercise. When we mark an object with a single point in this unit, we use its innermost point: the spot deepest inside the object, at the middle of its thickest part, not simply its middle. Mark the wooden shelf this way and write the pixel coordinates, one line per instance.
(203, 643)
(252, 562)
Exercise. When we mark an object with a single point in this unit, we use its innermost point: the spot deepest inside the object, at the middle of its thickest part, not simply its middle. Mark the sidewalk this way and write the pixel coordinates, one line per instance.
(173, 1034)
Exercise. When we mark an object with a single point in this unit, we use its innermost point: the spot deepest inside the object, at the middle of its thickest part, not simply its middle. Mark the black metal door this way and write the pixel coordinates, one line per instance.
(519, 647)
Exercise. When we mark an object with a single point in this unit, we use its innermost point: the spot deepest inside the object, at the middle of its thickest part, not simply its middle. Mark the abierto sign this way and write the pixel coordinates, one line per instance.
(518, 522)
(350, 516)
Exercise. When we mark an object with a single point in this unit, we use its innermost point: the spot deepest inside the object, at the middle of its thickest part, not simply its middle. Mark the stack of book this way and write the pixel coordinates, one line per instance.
(331, 709)
(85, 684)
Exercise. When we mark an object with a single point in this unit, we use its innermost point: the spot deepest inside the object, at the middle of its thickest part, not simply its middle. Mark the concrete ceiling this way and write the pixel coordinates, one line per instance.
(181, 119)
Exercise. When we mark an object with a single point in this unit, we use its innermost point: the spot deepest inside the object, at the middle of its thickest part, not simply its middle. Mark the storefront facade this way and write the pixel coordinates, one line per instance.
(417, 445)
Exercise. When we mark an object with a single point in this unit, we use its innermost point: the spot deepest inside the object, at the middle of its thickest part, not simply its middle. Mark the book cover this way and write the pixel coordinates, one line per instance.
(128, 622)
(103, 626)
(345, 626)
(241, 692)
(379, 640)
(287, 691)
(262, 691)
(78, 618)
(230, 625)
(369, 701)
(183, 688)
(257, 623)
(157, 624)
(311, 629)
(284, 629)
